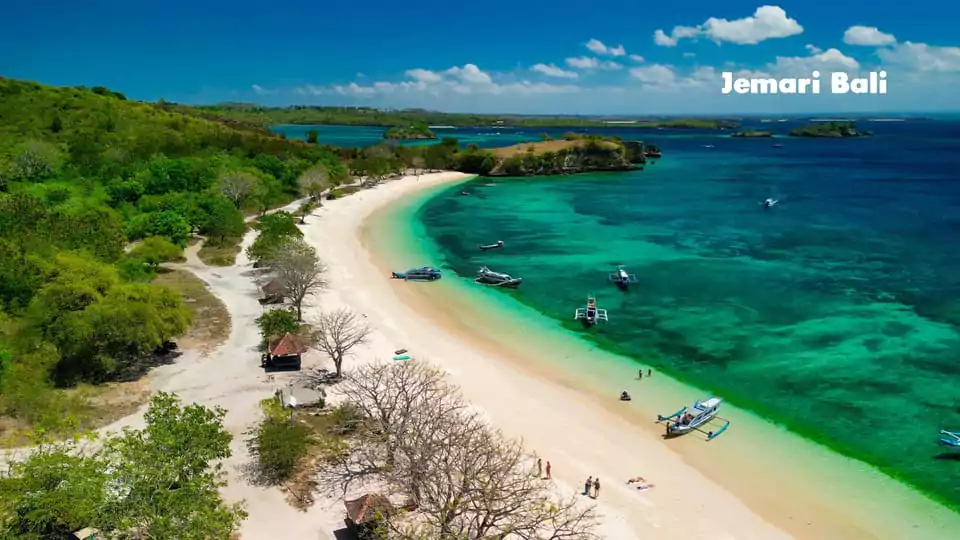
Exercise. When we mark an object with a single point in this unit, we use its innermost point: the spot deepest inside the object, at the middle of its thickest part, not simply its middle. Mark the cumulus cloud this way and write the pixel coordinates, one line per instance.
(767, 22)
(813, 49)
(825, 61)
(867, 35)
(586, 62)
(552, 70)
(922, 58)
(423, 75)
(597, 47)
(636, 58)
(654, 75)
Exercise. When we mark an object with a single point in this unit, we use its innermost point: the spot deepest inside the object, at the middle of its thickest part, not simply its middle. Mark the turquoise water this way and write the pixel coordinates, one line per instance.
(835, 313)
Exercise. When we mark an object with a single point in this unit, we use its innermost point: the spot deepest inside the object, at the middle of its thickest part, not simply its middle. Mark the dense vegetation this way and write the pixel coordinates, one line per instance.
(83, 172)
(836, 130)
(363, 116)
(753, 134)
(416, 131)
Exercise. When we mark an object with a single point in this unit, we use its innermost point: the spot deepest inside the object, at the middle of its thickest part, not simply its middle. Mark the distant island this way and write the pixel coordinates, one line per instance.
(259, 116)
(831, 130)
(753, 134)
(572, 154)
(417, 131)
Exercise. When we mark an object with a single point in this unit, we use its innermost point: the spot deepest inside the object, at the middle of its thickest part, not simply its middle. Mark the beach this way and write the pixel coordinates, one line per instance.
(756, 482)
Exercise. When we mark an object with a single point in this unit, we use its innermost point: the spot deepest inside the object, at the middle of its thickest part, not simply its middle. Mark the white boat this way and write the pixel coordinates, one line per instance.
(769, 203)
(695, 417)
(590, 313)
(622, 278)
(497, 279)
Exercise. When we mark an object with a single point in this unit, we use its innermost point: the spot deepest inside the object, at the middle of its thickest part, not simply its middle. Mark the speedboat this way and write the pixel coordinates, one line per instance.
(486, 276)
(694, 417)
(499, 244)
(424, 273)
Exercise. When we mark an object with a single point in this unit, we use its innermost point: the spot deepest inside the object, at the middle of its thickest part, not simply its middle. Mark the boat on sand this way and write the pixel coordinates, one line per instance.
(695, 418)
(497, 279)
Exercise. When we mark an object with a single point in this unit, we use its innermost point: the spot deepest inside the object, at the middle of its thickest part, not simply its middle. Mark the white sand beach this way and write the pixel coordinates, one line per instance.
(580, 434)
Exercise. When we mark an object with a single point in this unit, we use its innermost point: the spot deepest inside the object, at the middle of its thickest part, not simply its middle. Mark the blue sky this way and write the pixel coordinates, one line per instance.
(496, 56)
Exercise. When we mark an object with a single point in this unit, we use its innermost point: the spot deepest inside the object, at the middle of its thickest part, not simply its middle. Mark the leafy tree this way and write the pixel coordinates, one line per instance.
(221, 219)
(277, 322)
(313, 182)
(267, 193)
(279, 443)
(168, 224)
(306, 209)
(155, 250)
(312, 136)
(36, 160)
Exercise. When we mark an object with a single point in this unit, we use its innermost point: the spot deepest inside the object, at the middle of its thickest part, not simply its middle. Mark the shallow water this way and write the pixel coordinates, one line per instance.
(835, 313)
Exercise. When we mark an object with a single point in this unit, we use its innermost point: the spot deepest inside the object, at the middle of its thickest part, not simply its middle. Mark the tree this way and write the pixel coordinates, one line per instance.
(418, 165)
(312, 136)
(237, 186)
(313, 182)
(279, 443)
(277, 322)
(299, 270)
(306, 209)
(221, 220)
(158, 482)
(336, 333)
(155, 250)
(267, 192)
(36, 160)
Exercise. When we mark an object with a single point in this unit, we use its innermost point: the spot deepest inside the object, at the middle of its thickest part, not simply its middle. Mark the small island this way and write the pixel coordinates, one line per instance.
(416, 131)
(830, 130)
(753, 134)
(573, 154)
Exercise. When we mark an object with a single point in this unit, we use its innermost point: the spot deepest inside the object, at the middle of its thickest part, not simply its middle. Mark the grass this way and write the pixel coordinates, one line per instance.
(541, 147)
(211, 320)
(216, 253)
(341, 192)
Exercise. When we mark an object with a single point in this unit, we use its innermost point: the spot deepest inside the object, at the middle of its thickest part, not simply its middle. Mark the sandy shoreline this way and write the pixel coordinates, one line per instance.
(696, 496)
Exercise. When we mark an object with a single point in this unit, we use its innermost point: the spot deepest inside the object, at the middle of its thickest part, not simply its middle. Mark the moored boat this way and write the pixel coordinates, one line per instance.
(694, 418)
(590, 314)
(652, 151)
(622, 278)
(950, 438)
(424, 273)
(486, 276)
(499, 244)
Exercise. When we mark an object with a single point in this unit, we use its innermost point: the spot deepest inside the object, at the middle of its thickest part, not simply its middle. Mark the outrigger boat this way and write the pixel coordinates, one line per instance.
(694, 418)
(769, 203)
(488, 277)
(425, 273)
(499, 244)
(622, 278)
(590, 313)
(950, 438)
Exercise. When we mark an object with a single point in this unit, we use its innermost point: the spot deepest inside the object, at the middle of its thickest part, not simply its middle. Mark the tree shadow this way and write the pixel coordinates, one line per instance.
(947, 456)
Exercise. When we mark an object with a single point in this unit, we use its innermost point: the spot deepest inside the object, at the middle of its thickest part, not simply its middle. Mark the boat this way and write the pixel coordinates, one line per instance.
(709, 146)
(499, 244)
(622, 278)
(778, 145)
(424, 273)
(486, 276)
(769, 203)
(950, 438)
(590, 313)
(694, 418)
(652, 152)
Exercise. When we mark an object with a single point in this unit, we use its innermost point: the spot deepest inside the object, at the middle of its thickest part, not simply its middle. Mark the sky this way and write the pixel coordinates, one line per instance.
(518, 56)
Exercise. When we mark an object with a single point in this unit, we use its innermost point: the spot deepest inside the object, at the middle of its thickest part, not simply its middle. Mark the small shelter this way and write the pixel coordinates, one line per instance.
(285, 351)
(87, 533)
(272, 292)
(365, 513)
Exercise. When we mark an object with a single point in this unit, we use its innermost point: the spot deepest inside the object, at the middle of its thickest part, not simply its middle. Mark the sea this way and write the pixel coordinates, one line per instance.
(835, 313)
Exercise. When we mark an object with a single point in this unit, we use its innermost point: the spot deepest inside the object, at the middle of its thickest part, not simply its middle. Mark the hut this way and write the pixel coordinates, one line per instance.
(272, 292)
(366, 513)
(283, 352)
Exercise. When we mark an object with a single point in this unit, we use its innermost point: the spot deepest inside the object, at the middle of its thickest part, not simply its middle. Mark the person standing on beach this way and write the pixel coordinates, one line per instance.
(649, 372)
(548, 470)
(596, 488)
(587, 485)
(539, 467)
(640, 374)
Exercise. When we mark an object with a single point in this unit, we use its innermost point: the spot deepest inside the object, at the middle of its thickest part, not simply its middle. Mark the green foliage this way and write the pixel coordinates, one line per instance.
(279, 443)
(274, 230)
(160, 482)
(277, 322)
(416, 131)
(155, 250)
(167, 223)
(312, 136)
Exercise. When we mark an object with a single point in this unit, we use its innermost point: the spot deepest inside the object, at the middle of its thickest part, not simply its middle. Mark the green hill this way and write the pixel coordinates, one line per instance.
(83, 172)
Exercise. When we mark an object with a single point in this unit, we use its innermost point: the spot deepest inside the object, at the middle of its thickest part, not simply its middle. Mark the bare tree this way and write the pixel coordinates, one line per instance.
(466, 480)
(237, 186)
(336, 333)
(418, 165)
(299, 270)
(314, 182)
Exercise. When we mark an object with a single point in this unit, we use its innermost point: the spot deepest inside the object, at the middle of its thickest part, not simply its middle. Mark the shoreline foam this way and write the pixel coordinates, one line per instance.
(828, 498)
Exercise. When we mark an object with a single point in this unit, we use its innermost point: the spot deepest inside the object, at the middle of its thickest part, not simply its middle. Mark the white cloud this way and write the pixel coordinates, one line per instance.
(261, 91)
(867, 35)
(424, 75)
(597, 47)
(470, 74)
(813, 49)
(921, 57)
(586, 62)
(551, 70)
(767, 22)
(654, 75)
(802, 66)
(636, 58)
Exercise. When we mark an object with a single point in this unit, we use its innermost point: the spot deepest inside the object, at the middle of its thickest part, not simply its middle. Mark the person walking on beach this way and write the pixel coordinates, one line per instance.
(587, 485)
(539, 467)
(548, 470)
(596, 488)
(640, 374)
(649, 372)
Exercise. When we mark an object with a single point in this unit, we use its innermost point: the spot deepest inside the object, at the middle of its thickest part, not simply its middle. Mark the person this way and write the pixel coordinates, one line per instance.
(624, 396)
(596, 488)
(539, 467)
(649, 372)
(640, 374)
(548, 470)
(587, 485)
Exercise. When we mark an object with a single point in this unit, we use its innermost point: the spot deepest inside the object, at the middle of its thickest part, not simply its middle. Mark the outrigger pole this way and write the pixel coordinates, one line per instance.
(711, 435)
